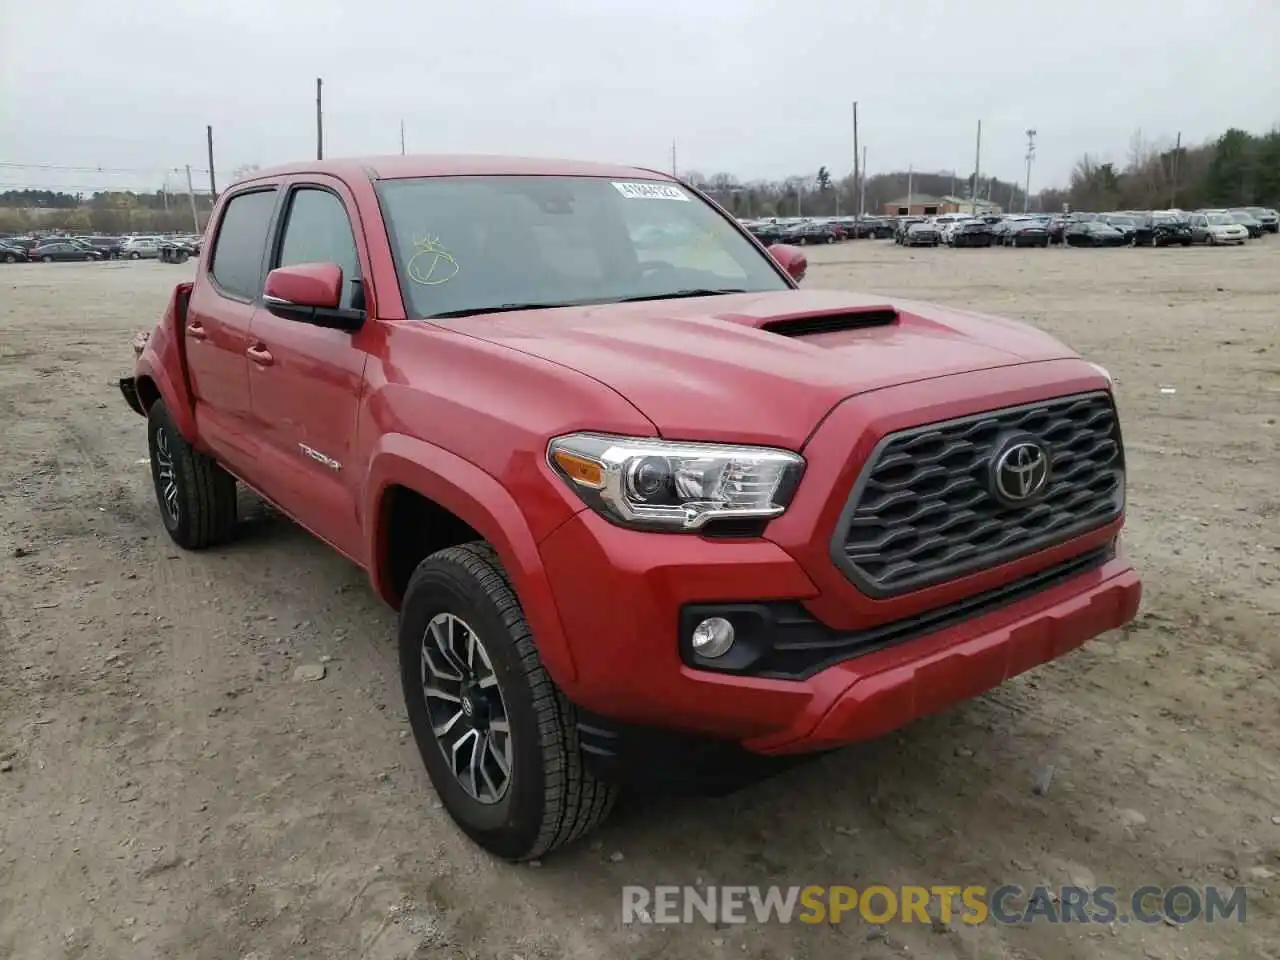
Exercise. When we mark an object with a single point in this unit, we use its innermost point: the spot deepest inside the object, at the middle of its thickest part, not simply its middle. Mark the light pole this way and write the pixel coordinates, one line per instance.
(1031, 152)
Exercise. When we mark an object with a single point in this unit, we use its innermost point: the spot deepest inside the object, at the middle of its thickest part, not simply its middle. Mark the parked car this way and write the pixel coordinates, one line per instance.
(109, 247)
(639, 521)
(766, 232)
(176, 250)
(1022, 232)
(1129, 225)
(811, 231)
(12, 254)
(139, 248)
(62, 250)
(1164, 229)
(974, 233)
(1092, 233)
(1269, 219)
(1248, 221)
(1217, 228)
(920, 234)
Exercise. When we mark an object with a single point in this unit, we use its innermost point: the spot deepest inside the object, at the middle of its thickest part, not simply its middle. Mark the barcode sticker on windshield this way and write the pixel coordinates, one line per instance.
(651, 191)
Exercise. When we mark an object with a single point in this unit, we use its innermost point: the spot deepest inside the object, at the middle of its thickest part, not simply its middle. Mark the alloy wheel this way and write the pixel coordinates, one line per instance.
(166, 476)
(466, 708)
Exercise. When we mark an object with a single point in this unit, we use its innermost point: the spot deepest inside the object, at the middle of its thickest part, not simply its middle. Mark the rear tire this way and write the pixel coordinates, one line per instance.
(47, 259)
(197, 498)
(548, 798)
(135, 255)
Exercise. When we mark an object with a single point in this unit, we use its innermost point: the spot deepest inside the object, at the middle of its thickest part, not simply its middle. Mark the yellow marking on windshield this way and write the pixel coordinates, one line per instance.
(431, 264)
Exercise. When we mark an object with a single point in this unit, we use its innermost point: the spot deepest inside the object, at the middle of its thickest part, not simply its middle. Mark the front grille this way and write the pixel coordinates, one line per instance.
(923, 510)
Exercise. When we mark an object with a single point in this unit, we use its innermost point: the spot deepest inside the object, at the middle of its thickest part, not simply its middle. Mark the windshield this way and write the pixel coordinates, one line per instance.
(1221, 219)
(1121, 221)
(470, 244)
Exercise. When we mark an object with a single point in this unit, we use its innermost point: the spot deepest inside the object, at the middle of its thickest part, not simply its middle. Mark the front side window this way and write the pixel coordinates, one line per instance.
(236, 261)
(469, 244)
(318, 230)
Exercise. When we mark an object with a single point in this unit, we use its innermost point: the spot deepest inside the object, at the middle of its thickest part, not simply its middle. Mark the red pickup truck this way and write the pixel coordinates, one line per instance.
(645, 507)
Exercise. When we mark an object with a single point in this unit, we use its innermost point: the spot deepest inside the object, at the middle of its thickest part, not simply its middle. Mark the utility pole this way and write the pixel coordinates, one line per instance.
(953, 183)
(402, 138)
(213, 187)
(673, 158)
(191, 195)
(1177, 156)
(319, 120)
(857, 213)
(977, 166)
(1031, 152)
(862, 193)
(911, 178)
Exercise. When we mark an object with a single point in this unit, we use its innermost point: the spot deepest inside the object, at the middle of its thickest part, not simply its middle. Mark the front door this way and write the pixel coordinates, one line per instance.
(306, 381)
(216, 333)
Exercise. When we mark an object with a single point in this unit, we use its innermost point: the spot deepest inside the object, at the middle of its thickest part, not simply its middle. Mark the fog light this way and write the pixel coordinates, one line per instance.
(712, 637)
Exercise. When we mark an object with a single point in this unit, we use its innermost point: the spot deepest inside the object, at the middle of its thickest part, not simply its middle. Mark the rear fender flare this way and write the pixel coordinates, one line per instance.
(485, 505)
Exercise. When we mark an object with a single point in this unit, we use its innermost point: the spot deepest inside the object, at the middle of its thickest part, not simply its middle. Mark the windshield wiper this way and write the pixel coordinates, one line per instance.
(680, 294)
(497, 308)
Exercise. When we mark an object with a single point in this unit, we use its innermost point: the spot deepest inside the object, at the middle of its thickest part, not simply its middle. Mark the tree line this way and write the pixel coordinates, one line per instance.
(1236, 169)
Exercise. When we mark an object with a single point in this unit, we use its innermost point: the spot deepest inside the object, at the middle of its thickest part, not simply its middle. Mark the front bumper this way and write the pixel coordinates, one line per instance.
(626, 600)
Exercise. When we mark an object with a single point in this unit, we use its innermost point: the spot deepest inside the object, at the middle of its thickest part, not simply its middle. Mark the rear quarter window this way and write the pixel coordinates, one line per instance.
(236, 261)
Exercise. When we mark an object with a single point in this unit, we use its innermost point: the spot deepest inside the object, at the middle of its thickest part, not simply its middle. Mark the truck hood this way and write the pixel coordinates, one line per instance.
(760, 367)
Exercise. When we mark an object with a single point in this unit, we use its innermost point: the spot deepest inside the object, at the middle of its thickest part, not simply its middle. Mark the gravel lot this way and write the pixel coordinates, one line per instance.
(167, 789)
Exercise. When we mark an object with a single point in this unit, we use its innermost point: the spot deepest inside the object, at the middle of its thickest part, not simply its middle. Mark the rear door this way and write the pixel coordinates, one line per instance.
(228, 289)
(307, 381)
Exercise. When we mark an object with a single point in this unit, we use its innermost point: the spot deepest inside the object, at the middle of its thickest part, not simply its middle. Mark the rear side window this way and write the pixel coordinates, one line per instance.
(236, 261)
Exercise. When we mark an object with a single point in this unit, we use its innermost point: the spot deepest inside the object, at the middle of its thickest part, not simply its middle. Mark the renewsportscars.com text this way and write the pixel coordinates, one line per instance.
(881, 904)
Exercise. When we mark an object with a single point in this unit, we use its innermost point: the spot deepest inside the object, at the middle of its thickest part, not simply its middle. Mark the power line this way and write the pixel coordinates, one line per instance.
(21, 186)
(65, 168)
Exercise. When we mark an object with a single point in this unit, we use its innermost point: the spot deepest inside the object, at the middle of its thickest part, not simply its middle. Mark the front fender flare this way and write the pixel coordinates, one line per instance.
(175, 395)
(485, 505)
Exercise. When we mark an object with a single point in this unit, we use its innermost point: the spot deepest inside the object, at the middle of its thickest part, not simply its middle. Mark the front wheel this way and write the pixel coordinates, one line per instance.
(197, 498)
(47, 259)
(498, 739)
(135, 255)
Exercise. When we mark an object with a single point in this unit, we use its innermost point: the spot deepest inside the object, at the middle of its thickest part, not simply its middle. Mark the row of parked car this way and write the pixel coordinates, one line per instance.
(53, 249)
(1143, 228)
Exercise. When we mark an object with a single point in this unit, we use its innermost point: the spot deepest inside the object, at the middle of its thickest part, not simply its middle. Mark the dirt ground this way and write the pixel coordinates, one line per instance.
(168, 790)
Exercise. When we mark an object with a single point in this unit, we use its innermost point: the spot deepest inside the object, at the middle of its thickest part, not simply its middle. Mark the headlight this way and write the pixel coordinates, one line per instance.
(663, 485)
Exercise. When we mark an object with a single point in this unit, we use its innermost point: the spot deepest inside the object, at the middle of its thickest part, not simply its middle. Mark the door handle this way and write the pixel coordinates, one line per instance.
(260, 355)
(195, 330)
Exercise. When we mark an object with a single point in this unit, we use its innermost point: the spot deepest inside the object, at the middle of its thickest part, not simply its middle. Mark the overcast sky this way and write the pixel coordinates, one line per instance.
(102, 93)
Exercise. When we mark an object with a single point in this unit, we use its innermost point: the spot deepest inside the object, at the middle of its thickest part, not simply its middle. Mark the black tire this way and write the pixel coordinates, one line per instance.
(135, 255)
(47, 259)
(200, 509)
(10, 258)
(550, 798)
(89, 257)
(1186, 243)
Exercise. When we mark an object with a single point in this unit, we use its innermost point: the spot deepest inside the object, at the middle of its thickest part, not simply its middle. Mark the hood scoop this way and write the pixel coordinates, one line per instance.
(811, 324)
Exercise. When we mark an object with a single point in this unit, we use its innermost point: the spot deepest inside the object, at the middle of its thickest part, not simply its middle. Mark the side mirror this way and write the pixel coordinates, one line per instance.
(310, 293)
(790, 259)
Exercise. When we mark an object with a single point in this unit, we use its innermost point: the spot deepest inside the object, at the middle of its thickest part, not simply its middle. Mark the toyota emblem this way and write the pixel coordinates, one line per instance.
(1021, 471)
